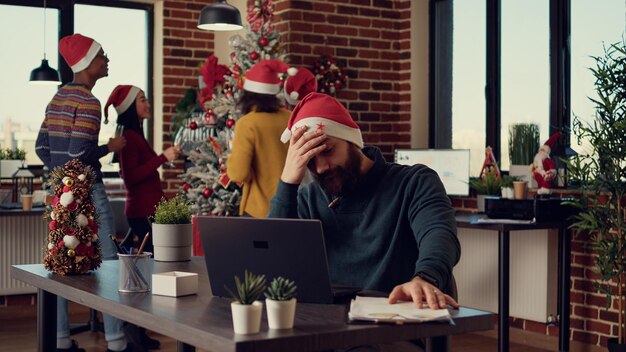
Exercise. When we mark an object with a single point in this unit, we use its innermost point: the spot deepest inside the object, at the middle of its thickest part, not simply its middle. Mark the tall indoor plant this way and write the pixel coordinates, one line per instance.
(523, 145)
(602, 176)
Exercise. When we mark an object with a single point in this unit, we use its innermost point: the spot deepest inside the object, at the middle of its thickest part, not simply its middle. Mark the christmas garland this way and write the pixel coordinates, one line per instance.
(73, 246)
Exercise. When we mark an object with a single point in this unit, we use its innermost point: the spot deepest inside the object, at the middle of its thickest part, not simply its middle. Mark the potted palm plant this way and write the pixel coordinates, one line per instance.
(281, 303)
(487, 185)
(523, 145)
(601, 174)
(172, 232)
(246, 308)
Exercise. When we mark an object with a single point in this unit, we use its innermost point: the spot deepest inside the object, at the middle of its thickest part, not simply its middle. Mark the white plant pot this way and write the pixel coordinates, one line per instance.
(172, 242)
(9, 167)
(523, 172)
(247, 317)
(280, 314)
(480, 203)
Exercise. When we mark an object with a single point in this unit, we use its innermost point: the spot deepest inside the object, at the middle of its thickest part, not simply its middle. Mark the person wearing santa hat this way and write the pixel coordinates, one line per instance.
(387, 227)
(258, 156)
(299, 85)
(70, 131)
(543, 168)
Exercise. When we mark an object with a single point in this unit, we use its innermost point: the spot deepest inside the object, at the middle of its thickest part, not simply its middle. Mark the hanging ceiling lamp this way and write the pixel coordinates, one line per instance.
(44, 74)
(220, 16)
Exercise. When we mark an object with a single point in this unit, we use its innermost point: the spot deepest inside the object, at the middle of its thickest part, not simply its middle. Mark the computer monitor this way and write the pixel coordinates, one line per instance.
(452, 165)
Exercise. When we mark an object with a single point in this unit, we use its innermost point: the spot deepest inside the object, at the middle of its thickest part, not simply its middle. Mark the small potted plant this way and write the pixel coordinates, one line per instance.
(246, 308)
(523, 145)
(281, 303)
(172, 233)
(488, 185)
(10, 161)
(507, 186)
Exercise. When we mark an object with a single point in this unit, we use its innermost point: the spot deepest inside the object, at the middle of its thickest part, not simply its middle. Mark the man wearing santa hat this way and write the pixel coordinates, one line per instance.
(70, 131)
(543, 168)
(387, 227)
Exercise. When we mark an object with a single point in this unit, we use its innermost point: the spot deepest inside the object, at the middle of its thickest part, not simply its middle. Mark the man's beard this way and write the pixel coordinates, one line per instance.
(340, 180)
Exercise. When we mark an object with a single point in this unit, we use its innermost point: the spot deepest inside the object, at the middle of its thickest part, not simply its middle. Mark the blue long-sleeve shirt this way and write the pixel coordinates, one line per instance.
(397, 222)
(70, 129)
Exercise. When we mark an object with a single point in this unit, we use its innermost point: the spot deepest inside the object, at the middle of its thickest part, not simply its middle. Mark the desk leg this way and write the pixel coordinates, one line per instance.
(46, 321)
(565, 244)
(183, 347)
(503, 291)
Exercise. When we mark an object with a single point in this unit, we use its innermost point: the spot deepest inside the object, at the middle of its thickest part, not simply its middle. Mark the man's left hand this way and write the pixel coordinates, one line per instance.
(418, 291)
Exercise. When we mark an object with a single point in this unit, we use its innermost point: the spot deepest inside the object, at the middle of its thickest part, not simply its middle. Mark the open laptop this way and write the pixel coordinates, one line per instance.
(291, 248)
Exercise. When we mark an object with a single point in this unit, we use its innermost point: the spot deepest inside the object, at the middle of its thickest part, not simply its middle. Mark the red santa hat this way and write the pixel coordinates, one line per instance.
(78, 51)
(299, 85)
(264, 76)
(320, 111)
(547, 146)
(121, 98)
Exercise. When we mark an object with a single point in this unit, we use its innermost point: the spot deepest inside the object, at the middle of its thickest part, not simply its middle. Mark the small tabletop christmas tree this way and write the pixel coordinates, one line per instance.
(73, 246)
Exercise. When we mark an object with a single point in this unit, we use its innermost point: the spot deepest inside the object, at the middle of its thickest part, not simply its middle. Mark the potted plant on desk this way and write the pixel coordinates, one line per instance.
(602, 177)
(523, 145)
(172, 232)
(488, 185)
(246, 309)
(281, 303)
(10, 161)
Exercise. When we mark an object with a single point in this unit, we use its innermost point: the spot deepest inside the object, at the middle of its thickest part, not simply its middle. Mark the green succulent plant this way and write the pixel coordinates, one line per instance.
(281, 289)
(12, 154)
(173, 211)
(489, 184)
(249, 289)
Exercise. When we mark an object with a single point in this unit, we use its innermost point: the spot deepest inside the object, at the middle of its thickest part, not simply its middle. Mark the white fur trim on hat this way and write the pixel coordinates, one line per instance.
(331, 128)
(291, 71)
(88, 58)
(546, 148)
(128, 101)
(261, 88)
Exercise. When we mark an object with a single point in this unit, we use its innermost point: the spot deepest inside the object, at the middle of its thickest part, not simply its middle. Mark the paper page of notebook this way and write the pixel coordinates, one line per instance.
(378, 310)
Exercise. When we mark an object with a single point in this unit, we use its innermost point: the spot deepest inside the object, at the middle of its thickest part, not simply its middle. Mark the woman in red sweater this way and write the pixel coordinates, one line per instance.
(138, 161)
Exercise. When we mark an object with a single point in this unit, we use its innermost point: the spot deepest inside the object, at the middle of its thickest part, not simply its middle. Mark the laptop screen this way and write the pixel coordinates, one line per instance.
(291, 248)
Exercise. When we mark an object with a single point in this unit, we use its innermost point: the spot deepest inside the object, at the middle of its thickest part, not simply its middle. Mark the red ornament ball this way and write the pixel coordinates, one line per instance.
(236, 68)
(263, 41)
(230, 123)
(254, 56)
(186, 187)
(207, 192)
(209, 117)
(193, 125)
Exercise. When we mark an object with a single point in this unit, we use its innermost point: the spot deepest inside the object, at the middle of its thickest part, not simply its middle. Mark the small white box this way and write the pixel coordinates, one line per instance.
(174, 283)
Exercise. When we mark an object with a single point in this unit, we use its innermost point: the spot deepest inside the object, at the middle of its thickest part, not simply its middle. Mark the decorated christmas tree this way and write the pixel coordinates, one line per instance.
(206, 115)
(73, 246)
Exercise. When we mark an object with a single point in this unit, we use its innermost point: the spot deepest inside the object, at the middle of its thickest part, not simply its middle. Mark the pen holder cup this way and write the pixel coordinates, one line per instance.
(135, 272)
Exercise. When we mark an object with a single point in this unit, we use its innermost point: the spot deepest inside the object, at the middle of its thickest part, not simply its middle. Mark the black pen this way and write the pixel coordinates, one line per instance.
(117, 246)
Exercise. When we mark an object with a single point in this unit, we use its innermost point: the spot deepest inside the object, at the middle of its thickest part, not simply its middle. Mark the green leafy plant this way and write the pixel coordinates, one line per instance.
(601, 174)
(249, 290)
(173, 211)
(12, 154)
(489, 184)
(523, 143)
(281, 289)
(507, 181)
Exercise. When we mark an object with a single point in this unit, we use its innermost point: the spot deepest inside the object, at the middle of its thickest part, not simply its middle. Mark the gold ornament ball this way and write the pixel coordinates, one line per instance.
(68, 182)
(71, 253)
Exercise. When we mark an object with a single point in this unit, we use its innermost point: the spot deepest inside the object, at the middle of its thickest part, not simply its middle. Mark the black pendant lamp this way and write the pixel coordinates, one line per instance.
(220, 16)
(44, 74)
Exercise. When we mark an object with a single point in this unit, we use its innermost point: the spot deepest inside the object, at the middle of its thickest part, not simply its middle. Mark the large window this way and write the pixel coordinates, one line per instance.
(22, 105)
(595, 24)
(468, 81)
(122, 28)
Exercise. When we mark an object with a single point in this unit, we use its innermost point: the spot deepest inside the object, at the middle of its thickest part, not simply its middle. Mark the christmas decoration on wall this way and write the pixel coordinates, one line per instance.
(206, 115)
(331, 74)
(73, 246)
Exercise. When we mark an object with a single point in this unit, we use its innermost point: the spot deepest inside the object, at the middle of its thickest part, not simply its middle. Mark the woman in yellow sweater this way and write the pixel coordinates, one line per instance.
(258, 155)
